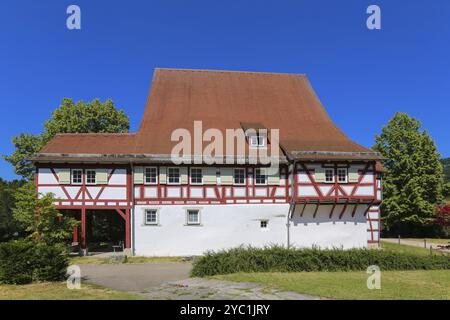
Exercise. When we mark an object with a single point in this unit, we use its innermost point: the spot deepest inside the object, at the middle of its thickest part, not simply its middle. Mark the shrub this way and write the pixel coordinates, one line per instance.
(279, 259)
(24, 261)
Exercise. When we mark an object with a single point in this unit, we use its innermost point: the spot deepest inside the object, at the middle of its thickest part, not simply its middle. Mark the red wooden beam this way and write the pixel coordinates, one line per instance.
(127, 229)
(83, 228)
(122, 214)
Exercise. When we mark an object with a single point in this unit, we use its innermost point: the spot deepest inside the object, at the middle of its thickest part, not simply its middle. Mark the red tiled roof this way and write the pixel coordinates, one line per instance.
(224, 100)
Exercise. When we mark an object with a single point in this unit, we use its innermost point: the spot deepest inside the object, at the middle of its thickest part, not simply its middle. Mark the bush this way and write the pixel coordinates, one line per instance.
(279, 259)
(25, 261)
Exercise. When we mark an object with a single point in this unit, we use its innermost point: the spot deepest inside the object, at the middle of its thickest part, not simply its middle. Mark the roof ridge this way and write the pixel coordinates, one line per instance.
(233, 71)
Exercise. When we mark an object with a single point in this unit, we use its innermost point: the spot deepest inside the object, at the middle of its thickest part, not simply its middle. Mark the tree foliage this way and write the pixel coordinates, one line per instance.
(8, 226)
(40, 218)
(69, 117)
(414, 181)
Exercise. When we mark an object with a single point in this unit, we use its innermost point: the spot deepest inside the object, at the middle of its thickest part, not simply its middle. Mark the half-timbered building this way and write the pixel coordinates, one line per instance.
(326, 192)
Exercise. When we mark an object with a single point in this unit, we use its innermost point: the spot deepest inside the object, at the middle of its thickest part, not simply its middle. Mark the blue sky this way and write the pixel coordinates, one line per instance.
(362, 77)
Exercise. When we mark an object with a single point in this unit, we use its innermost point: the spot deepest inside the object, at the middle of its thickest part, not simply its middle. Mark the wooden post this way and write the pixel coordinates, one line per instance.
(127, 229)
(425, 243)
(83, 229)
(398, 239)
(75, 234)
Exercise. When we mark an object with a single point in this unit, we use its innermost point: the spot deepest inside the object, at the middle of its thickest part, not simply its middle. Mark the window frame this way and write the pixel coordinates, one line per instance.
(190, 176)
(234, 177)
(86, 176)
(266, 222)
(156, 176)
(332, 175)
(346, 175)
(199, 220)
(156, 223)
(261, 141)
(255, 178)
(72, 176)
(168, 176)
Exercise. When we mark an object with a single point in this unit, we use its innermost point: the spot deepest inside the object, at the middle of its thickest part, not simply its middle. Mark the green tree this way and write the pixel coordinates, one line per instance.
(8, 226)
(40, 218)
(413, 184)
(69, 117)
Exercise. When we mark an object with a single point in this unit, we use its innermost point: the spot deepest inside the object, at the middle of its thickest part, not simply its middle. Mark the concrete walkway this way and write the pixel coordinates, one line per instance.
(170, 281)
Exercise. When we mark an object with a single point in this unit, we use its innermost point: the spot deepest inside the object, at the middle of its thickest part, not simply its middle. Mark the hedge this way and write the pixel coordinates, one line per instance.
(25, 261)
(280, 259)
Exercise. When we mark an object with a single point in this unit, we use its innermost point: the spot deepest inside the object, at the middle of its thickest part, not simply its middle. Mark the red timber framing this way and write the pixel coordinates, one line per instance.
(84, 200)
(249, 192)
(336, 193)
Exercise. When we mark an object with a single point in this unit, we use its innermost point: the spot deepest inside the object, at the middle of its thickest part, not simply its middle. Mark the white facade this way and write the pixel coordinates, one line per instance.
(228, 226)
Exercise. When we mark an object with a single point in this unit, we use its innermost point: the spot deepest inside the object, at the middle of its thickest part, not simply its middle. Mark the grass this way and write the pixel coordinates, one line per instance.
(59, 291)
(96, 260)
(408, 249)
(432, 284)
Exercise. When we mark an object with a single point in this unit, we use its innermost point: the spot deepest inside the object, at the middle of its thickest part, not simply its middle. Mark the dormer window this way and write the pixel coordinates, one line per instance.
(257, 141)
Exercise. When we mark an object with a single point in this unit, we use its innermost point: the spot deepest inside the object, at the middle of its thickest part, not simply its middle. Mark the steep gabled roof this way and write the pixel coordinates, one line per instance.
(225, 100)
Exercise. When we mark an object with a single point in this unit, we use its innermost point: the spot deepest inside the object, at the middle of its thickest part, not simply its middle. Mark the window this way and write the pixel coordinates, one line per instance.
(379, 175)
(77, 175)
(196, 176)
(239, 176)
(257, 141)
(264, 224)
(342, 175)
(174, 175)
(260, 177)
(151, 217)
(329, 175)
(150, 175)
(193, 217)
(90, 176)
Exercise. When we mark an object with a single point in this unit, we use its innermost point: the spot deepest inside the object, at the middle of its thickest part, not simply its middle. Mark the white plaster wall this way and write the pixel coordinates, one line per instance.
(222, 226)
(347, 232)
(227, 226)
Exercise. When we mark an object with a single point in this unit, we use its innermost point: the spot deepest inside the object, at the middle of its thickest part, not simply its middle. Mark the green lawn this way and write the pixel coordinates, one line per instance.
(429, 240)
(408, 248)
(59, 291)
(433, 284)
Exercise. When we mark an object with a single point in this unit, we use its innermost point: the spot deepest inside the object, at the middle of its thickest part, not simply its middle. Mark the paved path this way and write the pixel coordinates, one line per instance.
(135, 277)
(171, 281)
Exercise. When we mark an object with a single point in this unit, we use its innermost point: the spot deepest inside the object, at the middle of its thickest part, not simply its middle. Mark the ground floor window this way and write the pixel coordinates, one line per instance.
(193, 217)
(151, 217)
(264, 224)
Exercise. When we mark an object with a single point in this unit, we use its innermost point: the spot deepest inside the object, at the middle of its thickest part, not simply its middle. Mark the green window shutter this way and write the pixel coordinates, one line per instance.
(64, 176)
(209, 175)
(274, 178)
(226, 176)
(162, 175)
(101, 176)
(138, 175)
(183, 175)
(353, 175)
(319, 175)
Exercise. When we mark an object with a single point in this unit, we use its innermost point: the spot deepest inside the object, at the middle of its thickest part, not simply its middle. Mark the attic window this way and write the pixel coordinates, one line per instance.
(257, 141)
